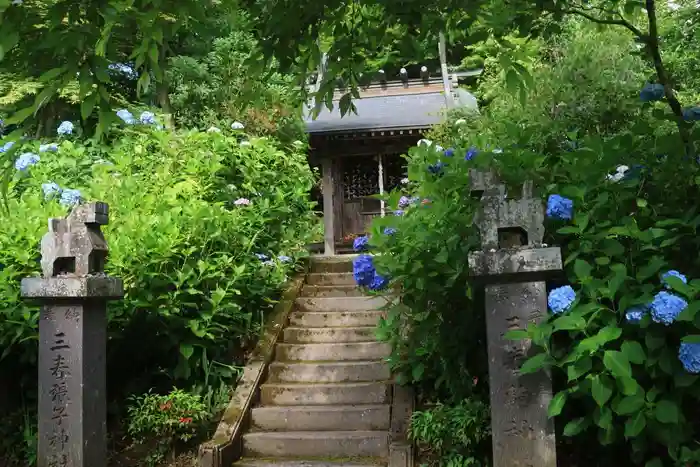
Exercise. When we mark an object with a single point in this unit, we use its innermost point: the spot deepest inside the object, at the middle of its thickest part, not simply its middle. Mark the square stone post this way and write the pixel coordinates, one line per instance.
(74, 292)
(328, 190)
(513, 266)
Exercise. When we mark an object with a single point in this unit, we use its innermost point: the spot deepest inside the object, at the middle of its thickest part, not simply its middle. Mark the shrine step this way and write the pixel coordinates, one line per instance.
(330, 278)
(331, 291)
(321, 418)
(331, 335)
(338, 263)
(333, 352)
(342, 444)
(296, 394)
(287, 462)
(328, 372)
(320, 319)
(333, 304)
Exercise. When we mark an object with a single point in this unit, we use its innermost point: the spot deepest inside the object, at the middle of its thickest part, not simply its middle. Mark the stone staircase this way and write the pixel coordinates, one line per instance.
(327, 398)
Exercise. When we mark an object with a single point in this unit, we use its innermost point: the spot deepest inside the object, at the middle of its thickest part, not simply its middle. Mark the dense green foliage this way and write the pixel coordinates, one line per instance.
(189, 212)
(621, 382)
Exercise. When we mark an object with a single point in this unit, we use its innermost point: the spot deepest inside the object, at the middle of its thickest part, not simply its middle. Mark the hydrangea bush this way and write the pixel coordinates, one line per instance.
(623, 333)
(196, 294)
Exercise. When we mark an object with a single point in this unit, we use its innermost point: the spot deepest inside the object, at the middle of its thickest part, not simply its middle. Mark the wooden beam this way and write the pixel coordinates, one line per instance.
(328, 188)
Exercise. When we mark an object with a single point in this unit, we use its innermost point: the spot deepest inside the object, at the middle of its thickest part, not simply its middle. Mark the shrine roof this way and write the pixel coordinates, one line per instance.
(388, 108)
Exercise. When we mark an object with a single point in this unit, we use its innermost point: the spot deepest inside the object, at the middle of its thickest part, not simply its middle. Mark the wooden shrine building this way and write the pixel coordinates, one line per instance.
(359, 154)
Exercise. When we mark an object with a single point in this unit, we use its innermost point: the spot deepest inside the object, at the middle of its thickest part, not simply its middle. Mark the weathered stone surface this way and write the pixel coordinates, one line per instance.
(341, 351)
(294, 335)
(332, 291)
(95, 287)
(341, 278)
(324, 444)
(513, 265)
(342, 303)
(510, 265)
(321, 264)
(324, 394)
(72, 339)
(335, 319)
(321, 418)
(329, 372)
(298, 463)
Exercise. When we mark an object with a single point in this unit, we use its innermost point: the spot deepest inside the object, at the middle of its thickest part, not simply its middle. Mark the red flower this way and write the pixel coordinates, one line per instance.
(185, 419)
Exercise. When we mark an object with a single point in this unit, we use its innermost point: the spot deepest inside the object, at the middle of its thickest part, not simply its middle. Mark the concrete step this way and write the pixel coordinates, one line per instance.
(332, 352)
(338, 263)
(325, 394)
(320, 335)
(332, 372)
(323, 444)
(335, 278)
(342, 303)
(317, 319)
(320, 418)
(287, 462)
(332, 291)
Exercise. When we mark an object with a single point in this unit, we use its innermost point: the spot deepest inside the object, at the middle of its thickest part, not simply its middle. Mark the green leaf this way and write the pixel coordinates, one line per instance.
(582, 269)
(634, 352)
(557, 404)
(418, 371)
(51, 74)
(619, 277)
(576, 426)
(651, 269)
(684, 380)
(569, 323)
(88, 105)
(534, 364)
(601, 389)
(186, 350)
(635, 425)
(666, 411)
(654, 342)
(617, 363)
(581, 366)
(631, 404)
(692, 339)
(20, 116)
(655, 462)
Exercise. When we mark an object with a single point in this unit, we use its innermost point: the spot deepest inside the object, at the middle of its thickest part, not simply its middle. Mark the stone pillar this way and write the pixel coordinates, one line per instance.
(328, 188)
(513, 266)
(74, 292)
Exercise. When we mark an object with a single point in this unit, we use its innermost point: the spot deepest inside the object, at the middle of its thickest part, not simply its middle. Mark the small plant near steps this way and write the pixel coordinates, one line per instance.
(327, 397)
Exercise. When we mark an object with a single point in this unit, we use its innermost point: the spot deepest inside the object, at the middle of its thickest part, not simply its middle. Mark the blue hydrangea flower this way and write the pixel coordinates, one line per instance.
(53, 147)
(651, 92)
(666, 307)
(561, 299)
(449, 152)
(65, 128)
(471, 153)
(389, 231)
(361, 243)
(50, 189)
(437, 168)
(237, 126)
(126, 70)
(284, 258)
(378, 282)
(147, 118)
(689, 355)
(404, 202)
(70, 197)
(635, 314)
(560, 208)
(261, 256)
(26, 160)
(7, 146)
(673, 273)
(399, 212)
(363, 270)
(691, 114)
(126, 116)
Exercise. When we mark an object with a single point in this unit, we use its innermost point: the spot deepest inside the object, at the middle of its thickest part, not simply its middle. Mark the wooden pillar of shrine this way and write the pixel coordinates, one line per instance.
(329, 201)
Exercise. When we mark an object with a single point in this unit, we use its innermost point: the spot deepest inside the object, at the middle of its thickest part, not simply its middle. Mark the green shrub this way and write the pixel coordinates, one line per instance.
(618, 382)
(196, 291)
(163, 420)
(453, 435)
